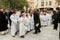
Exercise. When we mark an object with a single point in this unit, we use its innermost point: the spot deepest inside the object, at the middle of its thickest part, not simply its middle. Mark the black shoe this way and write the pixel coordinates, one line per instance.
(27, 32)
(16, 33)
(55, 29)
(39, 31)
(13, 36)
(35, 33)
(22, 36)
(31, 30)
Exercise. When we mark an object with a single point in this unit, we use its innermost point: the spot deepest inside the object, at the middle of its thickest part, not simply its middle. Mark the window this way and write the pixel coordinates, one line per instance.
(42, 3)
(50, 3)
(46, 3)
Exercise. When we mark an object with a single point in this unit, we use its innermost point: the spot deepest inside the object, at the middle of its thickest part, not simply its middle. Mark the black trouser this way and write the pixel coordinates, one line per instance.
(37, 28)
(56, 25)
(59, 35)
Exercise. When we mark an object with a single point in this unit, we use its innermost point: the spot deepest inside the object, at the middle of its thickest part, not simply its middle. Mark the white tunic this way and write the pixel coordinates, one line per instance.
(43, 19)
(18, 13)
(49, 19)
(22, 23)
(31, 23)
(27, 24)
(13, 24)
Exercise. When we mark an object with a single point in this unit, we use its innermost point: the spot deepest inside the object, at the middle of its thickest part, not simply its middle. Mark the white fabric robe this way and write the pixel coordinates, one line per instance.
(22, 22)
(18, 13)
(49, 19)
(27, 24)
(13, 25)
(44, 20)
(31, 23)
(41, 19)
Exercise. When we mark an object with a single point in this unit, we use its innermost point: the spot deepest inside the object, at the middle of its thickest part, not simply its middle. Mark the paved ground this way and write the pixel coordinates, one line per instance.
(47, 33)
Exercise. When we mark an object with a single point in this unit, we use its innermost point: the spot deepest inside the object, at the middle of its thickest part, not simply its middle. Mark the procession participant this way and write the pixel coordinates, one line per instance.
(18, 13)
(56, 18)
(44, 19)
(28, 23)
(31, 22)
(13, 24)
(41, 18)
(22, 23)
(3, 22)
(49, 14)
(37, 23)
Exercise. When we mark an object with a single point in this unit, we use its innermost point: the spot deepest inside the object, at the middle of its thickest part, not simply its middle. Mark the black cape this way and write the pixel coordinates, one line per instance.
(3, 22)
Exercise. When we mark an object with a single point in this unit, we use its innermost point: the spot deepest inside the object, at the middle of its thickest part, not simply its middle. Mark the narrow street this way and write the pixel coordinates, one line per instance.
(47, 33)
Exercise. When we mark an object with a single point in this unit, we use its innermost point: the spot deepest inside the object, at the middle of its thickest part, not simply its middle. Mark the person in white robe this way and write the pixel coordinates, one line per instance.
(49, 14)
(22, 23)
(28, 23)
(31, 22)
(41, 18)
(18, 13)
(13, 24)
(44, 19)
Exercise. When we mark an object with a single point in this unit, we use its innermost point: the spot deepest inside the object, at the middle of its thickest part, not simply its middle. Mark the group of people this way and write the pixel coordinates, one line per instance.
(46, 18)
(24, 21)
